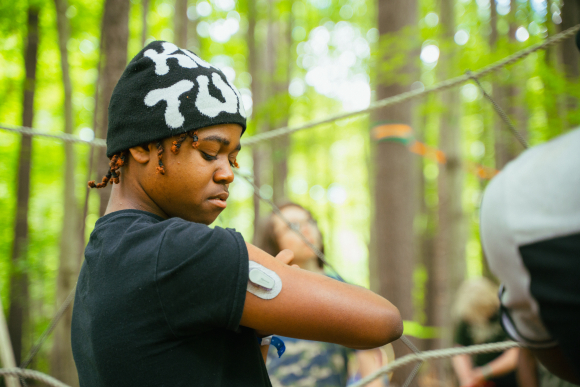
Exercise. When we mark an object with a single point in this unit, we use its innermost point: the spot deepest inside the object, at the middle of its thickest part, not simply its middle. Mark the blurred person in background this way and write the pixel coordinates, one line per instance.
(311, 363)
(476, 311)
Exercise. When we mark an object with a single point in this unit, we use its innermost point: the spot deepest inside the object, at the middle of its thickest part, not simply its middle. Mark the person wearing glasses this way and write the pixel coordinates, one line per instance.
(307, 362)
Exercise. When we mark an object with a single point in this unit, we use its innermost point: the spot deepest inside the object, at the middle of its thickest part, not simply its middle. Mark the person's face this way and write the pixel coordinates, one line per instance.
(196, 180)
(288, 239)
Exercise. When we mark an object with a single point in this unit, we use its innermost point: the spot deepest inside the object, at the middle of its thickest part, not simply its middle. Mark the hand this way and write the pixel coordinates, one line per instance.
(284, 256)
(476, 379)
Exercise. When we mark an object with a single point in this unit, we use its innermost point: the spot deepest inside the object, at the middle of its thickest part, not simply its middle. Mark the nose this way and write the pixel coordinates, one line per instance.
(224, 174)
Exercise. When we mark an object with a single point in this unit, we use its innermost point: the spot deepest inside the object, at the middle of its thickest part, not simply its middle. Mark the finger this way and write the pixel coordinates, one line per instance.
(285, 256)
(296, 266)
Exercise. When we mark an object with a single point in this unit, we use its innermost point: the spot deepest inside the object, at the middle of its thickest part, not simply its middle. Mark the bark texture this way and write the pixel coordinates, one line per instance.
(144, 27)
(392, 237)
(18, 318)
(571, 58)
(115, 36)
(181, 21)
(62, 362)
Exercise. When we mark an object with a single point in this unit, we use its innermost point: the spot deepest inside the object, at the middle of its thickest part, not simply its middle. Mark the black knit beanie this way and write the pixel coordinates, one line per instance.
(166, 91)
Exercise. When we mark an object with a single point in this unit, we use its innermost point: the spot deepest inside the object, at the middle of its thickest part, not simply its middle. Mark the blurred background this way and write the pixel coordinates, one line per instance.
(396, 192)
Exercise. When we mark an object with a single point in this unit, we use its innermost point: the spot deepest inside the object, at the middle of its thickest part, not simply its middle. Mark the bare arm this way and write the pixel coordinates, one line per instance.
(369, 362)
(506, 363)
(527, 369)
(463, 368)
(314, 307)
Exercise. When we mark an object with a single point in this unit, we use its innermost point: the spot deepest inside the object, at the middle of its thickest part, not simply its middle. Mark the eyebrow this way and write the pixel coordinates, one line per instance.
(221, 140)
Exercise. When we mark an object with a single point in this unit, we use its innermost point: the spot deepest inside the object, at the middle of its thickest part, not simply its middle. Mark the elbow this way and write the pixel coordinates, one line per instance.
(393, 324)
(388, 328)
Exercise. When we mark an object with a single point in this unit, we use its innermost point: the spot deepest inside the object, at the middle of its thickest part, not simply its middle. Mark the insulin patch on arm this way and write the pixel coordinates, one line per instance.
(263, 282)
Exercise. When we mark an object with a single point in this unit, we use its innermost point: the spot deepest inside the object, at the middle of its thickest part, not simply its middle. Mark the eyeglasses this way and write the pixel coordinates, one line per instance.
(296, 226)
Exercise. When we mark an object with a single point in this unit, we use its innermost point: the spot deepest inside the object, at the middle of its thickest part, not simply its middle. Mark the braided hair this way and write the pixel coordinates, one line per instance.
(118, 159)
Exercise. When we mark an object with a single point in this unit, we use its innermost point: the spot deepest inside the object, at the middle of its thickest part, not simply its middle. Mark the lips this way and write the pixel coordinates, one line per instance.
(219, 200)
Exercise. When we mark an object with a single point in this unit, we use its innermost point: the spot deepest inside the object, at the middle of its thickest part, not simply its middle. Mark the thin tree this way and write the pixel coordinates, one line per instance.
(281, 81)
(144, 13)
(18, 318)
(62, 362)
(449, 257)
(256, 87)
(392, 237)
(181, 21)
(570, 57)
(115, 36)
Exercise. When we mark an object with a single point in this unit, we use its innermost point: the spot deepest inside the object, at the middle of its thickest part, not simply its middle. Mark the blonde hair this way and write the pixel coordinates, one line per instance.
(476, 301)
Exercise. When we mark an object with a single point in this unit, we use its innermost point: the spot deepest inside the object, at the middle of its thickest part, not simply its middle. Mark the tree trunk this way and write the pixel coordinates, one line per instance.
(449, 257)
(144, 13)
(392, 256)
(180, 17)
(450, 240)
(256, 93)
(281, 145)
(571, 58)
(62, 362)
(18, 313)
(115, 35)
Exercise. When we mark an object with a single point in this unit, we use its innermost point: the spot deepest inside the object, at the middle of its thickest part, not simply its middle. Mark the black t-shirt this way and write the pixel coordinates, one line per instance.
(159, 302)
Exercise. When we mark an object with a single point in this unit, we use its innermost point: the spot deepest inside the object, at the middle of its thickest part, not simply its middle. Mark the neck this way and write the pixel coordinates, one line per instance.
(129, 196)
(310, 265)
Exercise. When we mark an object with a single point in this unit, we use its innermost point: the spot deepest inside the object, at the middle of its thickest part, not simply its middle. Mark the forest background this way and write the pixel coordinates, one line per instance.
(399, 212)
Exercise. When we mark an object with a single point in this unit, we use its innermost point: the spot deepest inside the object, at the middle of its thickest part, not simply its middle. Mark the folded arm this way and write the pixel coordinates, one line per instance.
(314, 307)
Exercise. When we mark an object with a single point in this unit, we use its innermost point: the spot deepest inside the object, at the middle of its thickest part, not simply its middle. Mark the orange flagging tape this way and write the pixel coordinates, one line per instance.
(438, 156)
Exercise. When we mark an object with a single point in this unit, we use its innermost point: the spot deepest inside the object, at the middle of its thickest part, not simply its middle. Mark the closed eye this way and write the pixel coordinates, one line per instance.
(207, 156)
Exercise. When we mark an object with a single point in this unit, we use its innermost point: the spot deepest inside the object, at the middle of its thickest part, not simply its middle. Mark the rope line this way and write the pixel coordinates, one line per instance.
(511, 59)
(31, 374)
(436, 354)
(417, 93)
(415, 370)
(61, 136)
(275, 208)
(422, 356)
(50, 328)
(500, 112)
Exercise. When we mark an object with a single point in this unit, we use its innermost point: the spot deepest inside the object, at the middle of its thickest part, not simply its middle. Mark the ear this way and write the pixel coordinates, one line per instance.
(141, 153)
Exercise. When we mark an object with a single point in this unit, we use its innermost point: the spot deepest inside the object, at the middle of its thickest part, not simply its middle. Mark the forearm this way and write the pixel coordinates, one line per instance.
(504, 364)
(368, 362)
(527, 369)
(463, 368)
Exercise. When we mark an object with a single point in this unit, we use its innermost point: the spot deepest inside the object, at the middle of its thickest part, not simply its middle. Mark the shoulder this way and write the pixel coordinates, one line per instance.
(182, 232)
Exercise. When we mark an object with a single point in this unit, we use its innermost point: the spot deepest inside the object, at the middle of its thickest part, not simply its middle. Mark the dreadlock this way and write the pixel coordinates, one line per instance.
(118, 160)
(177, 143)
(160, 150)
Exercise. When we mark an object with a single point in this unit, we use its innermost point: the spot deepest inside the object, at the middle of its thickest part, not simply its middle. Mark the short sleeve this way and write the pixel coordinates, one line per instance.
(201, 277)
(462, 336)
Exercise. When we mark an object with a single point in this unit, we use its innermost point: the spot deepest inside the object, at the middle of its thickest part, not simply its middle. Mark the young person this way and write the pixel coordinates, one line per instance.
(164, 300)
(309, 362)
(476, 312)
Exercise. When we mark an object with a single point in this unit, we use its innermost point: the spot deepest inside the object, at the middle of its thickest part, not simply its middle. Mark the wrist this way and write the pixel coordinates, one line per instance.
(486, 371)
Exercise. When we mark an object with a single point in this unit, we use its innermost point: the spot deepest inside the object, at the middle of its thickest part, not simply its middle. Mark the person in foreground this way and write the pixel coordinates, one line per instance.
(530, 232)
(164, 300)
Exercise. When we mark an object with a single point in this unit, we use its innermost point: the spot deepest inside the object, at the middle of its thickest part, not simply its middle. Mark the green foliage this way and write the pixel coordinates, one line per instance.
(329, 166)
